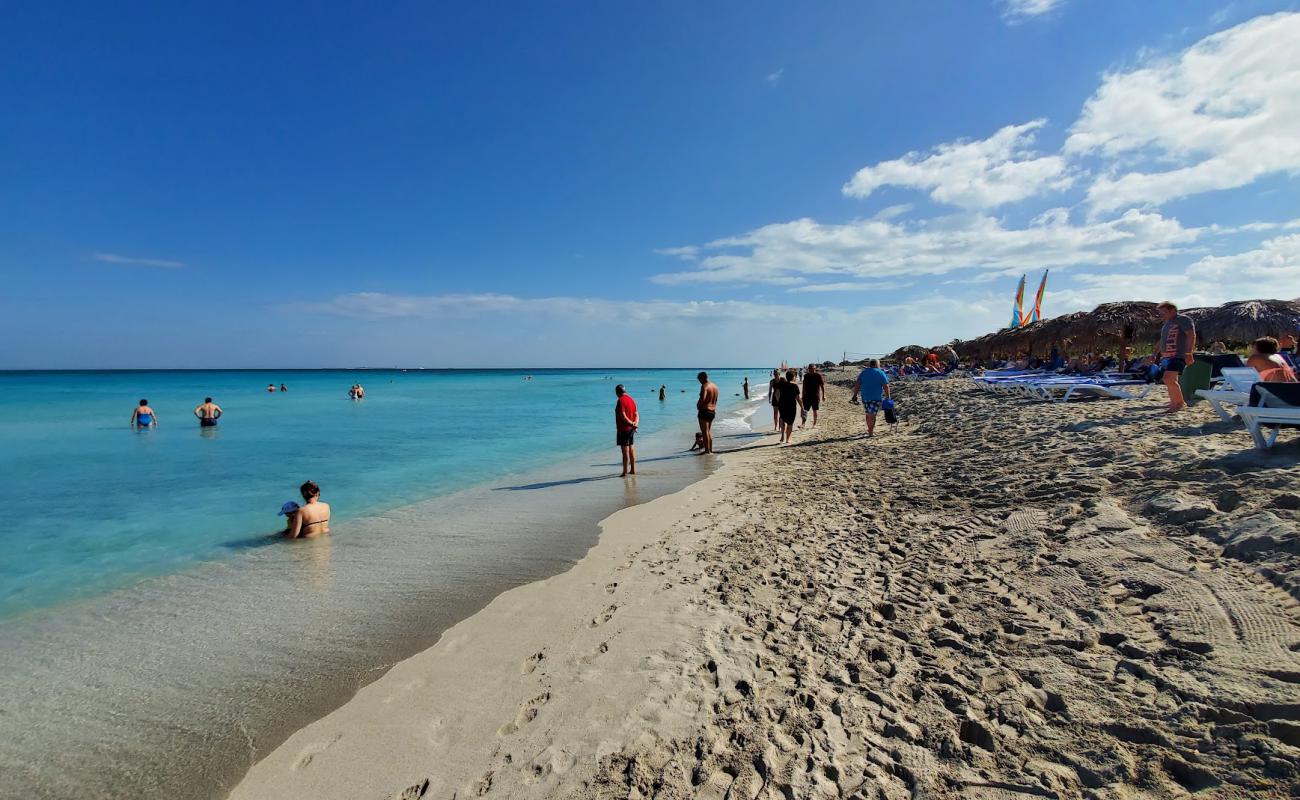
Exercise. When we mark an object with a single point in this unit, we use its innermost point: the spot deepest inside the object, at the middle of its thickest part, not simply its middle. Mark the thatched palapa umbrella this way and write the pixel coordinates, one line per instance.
(908, 351)
(1242, 322)
(1111, 326)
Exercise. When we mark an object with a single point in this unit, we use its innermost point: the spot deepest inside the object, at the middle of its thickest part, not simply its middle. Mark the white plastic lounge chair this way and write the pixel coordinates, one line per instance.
(1234, 391)
(1120, 390)
(1271, 411)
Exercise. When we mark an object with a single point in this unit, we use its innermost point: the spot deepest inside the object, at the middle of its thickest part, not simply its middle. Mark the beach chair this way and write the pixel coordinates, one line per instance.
(1272, 406)
(1233, 391)
(1116, 389)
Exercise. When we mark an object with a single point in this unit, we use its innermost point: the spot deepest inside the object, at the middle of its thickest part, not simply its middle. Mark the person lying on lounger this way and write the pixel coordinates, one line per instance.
(1266, 361)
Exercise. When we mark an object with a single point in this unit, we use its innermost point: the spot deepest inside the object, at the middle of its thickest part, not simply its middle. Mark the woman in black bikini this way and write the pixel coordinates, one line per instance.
(313, 518)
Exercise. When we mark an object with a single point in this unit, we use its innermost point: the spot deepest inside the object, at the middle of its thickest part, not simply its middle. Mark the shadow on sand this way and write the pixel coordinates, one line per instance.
(594, 478)
(553, 484)
(253, 542)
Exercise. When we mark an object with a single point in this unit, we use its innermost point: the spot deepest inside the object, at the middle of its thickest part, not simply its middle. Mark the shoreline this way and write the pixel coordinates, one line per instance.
(1077, 613)
(242, 671)
(521, 656)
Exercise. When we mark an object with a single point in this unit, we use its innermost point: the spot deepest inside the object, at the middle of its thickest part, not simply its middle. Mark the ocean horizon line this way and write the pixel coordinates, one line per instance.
(95, 371)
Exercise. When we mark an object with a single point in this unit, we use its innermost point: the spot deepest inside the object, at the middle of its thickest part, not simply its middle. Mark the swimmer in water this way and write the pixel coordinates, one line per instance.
(312, 518)
(208, 413)
(284, 388)
(144, 416)
(270, 387)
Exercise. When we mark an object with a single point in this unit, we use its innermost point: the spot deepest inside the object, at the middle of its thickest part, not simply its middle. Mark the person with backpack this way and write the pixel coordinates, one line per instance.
(872, 386)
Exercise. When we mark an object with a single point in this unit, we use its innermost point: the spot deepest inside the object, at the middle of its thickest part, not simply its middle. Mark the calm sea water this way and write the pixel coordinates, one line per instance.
(92, 504)
(157, 638)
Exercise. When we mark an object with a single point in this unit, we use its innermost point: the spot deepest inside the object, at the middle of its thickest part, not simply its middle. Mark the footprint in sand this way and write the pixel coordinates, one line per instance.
(527, 713)
(604, 616)
(311, 751)
(717, 786)
(610, 587)
(414, 792)
(533, 662)
(601, 649)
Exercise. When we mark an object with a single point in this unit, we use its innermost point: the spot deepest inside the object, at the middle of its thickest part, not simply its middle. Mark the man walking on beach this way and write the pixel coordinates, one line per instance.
(626, 420)
(872, 386)
(789, 404)
(1177, 343)
(208, 413)
(771, 399)
(707, 408)
(814, 392)
(745, 386)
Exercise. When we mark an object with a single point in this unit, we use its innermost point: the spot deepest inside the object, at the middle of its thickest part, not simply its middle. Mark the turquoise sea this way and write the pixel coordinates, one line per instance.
(154, 627)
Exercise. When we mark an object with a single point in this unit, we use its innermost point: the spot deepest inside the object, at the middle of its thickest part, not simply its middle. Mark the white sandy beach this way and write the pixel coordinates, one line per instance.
(1002, 599)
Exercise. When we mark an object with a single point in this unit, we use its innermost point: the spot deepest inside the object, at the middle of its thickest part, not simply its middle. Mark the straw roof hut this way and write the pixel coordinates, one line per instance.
(1037, 337)
(1112, 326)
(1242, 322)
(908, 351)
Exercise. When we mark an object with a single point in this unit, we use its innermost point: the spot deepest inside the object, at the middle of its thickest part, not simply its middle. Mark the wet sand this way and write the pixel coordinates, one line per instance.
(999, 599)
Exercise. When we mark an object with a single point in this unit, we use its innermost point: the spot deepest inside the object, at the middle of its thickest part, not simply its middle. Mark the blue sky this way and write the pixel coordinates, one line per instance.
(568, 184)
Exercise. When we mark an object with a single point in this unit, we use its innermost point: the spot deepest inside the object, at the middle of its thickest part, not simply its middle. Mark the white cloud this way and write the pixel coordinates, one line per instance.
(889, 212)
(688, 253)
(1270, 271)
(382, 305)
(848, 286)
(1220, 115)
(773, 77)
(112, 258)
(1258, 227)
(635, 332)
(1018, 11)
(791, 252)
(972, 174)
(1222, 15)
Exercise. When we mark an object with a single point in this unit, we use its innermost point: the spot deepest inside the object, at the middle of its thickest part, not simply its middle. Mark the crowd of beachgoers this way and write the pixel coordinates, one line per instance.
(1264, 354)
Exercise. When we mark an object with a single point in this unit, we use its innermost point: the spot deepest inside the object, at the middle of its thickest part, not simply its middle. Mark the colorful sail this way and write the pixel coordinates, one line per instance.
(1017, 312)
(1037, 313)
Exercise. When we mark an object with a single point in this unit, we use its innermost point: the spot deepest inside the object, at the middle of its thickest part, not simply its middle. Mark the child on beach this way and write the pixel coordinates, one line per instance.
(288, 510)
(699, 442)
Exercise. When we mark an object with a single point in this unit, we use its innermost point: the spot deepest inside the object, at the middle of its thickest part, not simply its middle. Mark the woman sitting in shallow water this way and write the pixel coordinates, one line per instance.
(312, 518)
